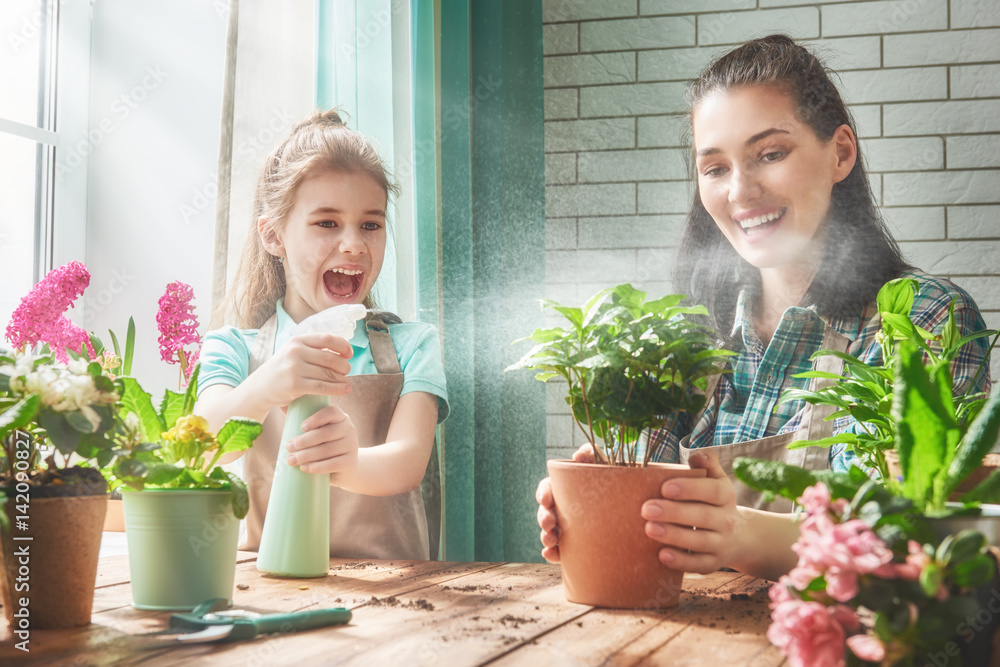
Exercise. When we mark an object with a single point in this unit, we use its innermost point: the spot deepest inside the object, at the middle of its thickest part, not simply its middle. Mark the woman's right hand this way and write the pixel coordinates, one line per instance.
(547, 508)
(313, 363)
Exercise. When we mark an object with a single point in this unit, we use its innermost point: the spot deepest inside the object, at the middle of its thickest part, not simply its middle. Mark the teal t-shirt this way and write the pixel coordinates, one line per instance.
(225, 356)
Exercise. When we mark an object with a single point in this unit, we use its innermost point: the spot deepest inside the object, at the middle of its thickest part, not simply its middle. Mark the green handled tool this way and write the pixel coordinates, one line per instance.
(210, 622)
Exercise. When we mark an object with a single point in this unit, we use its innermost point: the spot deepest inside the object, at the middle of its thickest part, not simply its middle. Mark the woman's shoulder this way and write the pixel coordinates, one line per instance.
(937, 291)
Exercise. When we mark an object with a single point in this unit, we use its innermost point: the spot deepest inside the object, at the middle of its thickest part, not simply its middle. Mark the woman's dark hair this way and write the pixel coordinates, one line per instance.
(859, 255)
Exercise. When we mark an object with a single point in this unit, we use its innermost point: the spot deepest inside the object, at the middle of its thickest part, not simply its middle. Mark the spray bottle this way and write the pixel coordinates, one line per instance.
(295, 541)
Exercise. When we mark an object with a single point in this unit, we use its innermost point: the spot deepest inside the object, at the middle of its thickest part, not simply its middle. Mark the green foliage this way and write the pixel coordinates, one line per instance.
(173, 449)
(868, 393)
(631, 364)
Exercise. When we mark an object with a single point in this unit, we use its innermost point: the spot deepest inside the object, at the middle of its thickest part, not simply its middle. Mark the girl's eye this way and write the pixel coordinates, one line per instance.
(371, 226)
(327, 224)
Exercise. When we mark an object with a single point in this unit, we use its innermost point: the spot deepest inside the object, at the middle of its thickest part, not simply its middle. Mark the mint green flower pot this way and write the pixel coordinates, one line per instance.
(181, 547)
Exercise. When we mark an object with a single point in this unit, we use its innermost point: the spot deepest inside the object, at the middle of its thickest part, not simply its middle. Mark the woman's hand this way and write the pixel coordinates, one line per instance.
(696, 519)
(547, 508)
(315, 363)
(328, 444)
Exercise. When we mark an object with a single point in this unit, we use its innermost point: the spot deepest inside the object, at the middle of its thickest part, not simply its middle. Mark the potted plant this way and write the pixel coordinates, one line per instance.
(915, 561)
(631, 366)
(182, 509)
(865, 392)
(58, 419)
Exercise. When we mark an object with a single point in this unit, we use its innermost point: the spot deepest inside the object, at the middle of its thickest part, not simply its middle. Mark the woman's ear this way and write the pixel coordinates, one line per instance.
(846, 149)
(269, 237)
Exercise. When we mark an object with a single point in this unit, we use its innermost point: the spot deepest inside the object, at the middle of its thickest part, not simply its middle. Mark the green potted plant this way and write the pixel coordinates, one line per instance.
(865, 392)
(929, 552)
(631, 366)
(58, 424)
(182, 509)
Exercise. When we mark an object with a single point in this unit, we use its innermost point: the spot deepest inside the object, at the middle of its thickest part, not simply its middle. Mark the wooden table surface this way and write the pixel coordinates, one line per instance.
(430, 613)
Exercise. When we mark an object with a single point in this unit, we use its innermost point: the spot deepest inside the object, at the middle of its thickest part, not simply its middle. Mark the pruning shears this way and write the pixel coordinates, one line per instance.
(211, 621)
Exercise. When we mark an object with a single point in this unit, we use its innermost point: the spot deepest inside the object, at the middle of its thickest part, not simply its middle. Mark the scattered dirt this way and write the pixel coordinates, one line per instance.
(243, 587)
(393, 601)
(739, 596)
(507, 641)
(516, 621)
(355, 566)
(465, 589)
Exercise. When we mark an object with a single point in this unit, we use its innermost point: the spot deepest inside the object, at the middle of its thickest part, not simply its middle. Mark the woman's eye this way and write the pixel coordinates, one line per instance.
(714, 172)
(773, 156)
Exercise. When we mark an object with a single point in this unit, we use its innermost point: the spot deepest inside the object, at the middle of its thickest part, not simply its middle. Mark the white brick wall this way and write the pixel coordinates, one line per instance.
(923, 81)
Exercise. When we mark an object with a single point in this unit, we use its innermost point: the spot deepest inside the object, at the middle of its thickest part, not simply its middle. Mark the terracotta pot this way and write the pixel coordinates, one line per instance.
(607, 558)
(59, 559)
(990, 463)
(114, 520)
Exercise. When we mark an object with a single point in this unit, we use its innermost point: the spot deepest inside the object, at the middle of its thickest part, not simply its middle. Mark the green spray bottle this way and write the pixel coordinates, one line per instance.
(295, 541)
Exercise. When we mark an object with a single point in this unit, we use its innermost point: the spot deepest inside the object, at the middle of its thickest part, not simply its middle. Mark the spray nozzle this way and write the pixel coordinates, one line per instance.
(338, 320)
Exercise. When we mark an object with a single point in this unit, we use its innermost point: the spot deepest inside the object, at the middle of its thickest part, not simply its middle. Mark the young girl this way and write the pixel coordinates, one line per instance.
(318, 241)
(785, 247)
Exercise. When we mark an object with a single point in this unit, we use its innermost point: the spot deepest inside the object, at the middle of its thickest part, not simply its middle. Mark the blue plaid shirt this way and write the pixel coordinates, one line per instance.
(747, 399)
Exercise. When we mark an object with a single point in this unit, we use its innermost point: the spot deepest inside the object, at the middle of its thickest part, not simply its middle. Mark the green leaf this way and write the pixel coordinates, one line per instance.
(138, 402)
(930, 579)
(191, 394)
(975, 445)
(19, 415)
(129, 347)
(79, 423)
(60, 433)
(240, 495)
(114, 344)
(171, 408)
(987, 491)
(159, 474)
(839, 439)
(975, 572)
(925, 426)
(790, 481)
(896, 296)
(238, 434)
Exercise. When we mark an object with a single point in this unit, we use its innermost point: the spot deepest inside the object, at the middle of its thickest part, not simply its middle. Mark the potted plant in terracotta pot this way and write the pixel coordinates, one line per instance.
(182, 509)
(58, 419)
(631, 366)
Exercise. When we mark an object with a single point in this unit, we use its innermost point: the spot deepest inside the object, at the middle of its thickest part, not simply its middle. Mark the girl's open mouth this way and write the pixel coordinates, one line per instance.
(343, 283)
(761, 223)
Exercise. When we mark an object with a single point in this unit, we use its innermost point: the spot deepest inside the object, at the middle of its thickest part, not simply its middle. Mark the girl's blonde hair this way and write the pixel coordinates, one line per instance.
(320, 142)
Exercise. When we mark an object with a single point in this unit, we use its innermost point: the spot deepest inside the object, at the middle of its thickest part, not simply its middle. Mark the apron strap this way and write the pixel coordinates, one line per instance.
(383, 349)
(819, 426)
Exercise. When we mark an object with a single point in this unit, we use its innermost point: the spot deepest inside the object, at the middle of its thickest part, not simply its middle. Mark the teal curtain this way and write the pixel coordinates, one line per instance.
(481, 258)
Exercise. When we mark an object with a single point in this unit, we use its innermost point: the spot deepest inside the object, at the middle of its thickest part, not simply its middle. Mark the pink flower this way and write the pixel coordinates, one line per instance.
(867, 647)
(178, 324)
(807, 633)
(40, 318)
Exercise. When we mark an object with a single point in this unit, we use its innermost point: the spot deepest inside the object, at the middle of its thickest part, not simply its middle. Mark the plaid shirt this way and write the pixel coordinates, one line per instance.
(748, 397)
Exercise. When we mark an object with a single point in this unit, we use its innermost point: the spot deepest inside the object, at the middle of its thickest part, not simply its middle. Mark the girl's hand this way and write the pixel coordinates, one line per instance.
(328, 444)
(697, 518)
(547, 508)
(315, 363)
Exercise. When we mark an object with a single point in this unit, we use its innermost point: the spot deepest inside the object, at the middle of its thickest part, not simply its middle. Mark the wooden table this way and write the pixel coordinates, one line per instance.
(431, 613)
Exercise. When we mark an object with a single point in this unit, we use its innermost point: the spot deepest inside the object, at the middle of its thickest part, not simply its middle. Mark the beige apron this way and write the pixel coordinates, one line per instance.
(360, 526)
(775, 447)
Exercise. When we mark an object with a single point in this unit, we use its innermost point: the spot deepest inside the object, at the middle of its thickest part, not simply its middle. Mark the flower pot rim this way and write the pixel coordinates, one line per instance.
(129, 491)
(651, 465)
(986, 510)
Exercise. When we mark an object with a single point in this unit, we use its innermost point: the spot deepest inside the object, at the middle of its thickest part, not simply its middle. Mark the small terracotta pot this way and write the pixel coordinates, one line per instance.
(59, 561)
(990, 463)
(607, 558)
(114, 520)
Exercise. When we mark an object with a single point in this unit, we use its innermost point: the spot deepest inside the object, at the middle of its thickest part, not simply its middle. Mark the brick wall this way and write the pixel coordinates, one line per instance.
(922, 78)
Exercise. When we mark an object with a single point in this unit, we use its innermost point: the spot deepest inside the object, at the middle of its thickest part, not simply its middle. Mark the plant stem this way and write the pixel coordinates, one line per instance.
(586, 409)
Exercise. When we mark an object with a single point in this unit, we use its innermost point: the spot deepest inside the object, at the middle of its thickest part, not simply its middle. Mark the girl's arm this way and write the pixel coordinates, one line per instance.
(398, 465)
(329, 444)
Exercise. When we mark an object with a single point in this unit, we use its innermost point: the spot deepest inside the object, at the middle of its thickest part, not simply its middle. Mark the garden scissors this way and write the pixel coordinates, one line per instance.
(211, 621)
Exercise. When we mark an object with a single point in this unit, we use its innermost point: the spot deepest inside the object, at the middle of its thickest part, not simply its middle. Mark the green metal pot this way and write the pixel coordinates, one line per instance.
(181, 547)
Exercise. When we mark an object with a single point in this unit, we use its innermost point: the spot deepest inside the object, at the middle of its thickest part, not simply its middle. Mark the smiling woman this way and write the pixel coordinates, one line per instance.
(785, 246)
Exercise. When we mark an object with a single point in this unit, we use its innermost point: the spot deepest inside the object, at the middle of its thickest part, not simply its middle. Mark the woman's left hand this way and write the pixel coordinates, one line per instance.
(696, 519)
(328, 444)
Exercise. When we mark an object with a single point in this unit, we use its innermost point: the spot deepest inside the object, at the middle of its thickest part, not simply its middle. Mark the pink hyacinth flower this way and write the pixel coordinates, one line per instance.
(178, 326)
(40, 318)
(867, 647)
